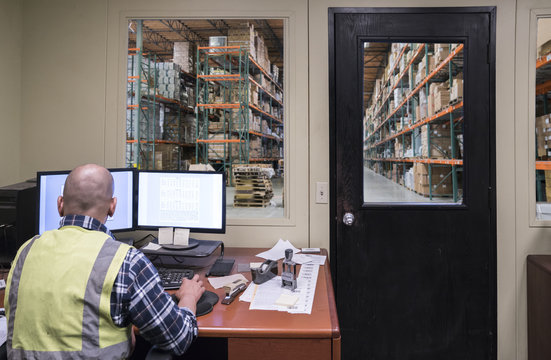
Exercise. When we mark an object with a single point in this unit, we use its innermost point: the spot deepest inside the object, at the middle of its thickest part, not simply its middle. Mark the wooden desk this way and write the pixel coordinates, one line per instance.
(254, 334)
(538, 268)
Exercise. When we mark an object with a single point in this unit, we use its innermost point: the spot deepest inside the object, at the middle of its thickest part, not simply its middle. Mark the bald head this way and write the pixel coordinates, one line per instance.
(88, 191)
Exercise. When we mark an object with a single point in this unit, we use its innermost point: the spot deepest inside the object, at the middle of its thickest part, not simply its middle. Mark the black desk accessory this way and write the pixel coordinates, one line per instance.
(203, 248)
(265, 272)
(192, 243)
(221, 267)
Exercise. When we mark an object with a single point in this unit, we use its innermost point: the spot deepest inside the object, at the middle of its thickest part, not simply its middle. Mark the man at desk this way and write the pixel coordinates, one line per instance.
(75, 292)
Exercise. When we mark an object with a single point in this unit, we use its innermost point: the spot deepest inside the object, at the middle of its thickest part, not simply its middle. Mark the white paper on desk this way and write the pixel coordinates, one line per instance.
(306, 289)
(307, 258)
(218, 282)
(278, 251)
(3, 330)
(152, 246)
(266, 294)
(248, 294)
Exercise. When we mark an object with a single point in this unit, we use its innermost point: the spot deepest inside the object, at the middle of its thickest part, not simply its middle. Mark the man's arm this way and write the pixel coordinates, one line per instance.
(139, 299)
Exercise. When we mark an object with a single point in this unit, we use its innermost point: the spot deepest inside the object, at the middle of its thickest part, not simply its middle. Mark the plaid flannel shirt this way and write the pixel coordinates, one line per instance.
(138, 298)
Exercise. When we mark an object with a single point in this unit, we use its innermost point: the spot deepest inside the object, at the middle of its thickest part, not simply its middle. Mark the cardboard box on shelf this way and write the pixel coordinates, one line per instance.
(441, 51)
(456, 91)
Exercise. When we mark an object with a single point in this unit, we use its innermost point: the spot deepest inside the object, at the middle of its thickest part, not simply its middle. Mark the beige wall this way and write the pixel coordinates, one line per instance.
(68, 102)
(10, 91)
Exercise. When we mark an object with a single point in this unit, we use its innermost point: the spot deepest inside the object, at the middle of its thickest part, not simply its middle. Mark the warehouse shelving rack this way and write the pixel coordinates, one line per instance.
(140, 110)
(143, 128)
(223, 142)
(543, 88)
(378, 138)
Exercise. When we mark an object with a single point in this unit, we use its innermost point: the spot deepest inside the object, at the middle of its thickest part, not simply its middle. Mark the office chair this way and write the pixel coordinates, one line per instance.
(157, 354)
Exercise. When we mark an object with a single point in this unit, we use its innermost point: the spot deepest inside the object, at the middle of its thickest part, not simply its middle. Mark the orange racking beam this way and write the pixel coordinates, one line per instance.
(220, 141)
(219, 106)
(543, 165)
(543, 88)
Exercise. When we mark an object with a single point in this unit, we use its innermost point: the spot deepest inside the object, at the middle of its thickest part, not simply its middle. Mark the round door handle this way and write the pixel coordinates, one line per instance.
(348, 219)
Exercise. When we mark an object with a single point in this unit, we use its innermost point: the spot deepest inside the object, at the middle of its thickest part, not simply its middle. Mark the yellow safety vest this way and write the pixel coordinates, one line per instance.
(58, 297)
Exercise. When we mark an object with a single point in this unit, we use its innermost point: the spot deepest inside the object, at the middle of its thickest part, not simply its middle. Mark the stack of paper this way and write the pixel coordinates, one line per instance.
(266, 296)
(278, 251)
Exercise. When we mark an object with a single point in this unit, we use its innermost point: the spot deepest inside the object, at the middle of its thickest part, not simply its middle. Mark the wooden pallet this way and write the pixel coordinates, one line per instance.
(251, 202)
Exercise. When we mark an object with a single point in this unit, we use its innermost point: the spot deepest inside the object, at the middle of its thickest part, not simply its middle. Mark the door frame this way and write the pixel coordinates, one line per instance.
(335, 202)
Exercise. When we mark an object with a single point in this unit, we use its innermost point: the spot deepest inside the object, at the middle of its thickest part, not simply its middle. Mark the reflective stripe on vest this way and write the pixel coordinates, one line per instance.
(90, 312)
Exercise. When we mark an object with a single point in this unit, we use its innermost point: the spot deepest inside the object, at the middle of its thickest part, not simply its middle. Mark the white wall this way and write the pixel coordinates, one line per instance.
(10, 91)
(69, 110)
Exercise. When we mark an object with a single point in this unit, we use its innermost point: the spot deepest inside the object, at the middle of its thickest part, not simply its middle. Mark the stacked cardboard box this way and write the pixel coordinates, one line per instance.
(439, 97)
(441, 52)
(184, 55)
(255, 148)
(220, 151)
(439, 140)
(166, 157)
(441, 183)
(243, 36)
(168, 80)
(456, 90)
(543, 135)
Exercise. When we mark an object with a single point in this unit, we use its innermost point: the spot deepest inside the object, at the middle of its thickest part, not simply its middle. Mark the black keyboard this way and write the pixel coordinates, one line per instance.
(171, 278)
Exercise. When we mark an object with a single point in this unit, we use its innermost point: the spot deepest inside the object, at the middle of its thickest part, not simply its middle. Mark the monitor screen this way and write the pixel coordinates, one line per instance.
(50, 185)
(192, 200)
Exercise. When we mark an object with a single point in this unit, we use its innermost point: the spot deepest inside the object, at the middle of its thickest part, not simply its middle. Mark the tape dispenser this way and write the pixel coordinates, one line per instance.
(265, 272)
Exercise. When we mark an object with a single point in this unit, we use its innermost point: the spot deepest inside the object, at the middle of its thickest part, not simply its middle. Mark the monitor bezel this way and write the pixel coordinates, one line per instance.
(134, 207)
(221, 230)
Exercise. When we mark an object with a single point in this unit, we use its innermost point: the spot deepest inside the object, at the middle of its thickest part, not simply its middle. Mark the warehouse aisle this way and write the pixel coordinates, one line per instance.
(378, 188)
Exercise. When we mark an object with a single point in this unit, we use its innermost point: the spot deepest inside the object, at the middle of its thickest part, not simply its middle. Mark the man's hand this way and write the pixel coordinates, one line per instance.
(189, 293)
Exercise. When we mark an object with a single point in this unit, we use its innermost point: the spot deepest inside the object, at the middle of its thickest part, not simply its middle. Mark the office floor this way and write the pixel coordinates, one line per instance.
(273, 210)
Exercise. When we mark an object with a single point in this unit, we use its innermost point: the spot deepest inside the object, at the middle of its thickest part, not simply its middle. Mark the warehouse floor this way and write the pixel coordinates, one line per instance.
(273, 210)
(378, 188)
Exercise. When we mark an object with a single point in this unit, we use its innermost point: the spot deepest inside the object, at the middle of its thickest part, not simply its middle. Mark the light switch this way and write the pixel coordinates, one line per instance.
(322, 192)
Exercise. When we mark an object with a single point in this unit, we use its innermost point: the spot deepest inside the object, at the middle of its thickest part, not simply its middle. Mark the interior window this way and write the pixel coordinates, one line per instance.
(413, 122)
(208, 94)
(543, 120)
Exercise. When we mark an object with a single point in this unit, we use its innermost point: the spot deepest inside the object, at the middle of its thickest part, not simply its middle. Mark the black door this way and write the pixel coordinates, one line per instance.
(414, 281)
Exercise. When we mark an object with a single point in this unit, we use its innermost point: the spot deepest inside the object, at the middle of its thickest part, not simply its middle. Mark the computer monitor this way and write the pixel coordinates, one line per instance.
(50, 185)
(193, 200)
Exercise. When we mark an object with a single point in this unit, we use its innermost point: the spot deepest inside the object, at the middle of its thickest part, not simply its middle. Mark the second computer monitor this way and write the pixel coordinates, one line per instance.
(192, 200)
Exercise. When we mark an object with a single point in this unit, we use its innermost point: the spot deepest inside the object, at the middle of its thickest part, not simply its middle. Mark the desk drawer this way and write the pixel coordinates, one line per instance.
(279, 349)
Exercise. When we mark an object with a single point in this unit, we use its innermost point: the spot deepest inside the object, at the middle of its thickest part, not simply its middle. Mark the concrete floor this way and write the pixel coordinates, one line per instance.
(378, 188)
(273, 210)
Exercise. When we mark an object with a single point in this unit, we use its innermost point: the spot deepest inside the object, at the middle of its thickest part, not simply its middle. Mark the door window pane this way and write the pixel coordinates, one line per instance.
(543, 120)
(413, 122)
(208, 94)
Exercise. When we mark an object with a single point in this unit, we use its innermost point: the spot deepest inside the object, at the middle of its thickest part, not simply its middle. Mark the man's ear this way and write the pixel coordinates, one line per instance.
(112, 207)
(60, 205)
